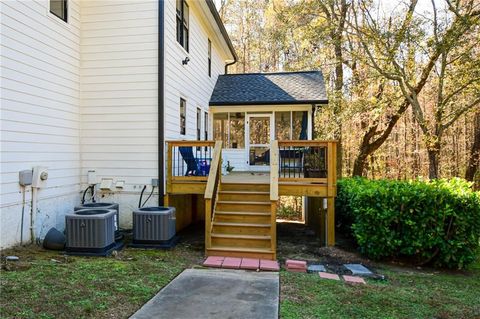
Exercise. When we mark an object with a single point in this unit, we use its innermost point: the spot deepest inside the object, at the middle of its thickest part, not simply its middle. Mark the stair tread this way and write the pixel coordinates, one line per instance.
(242, 202)
(220, 212)
(241, 224)
(241, 249)
(235, 236)
(245, 192)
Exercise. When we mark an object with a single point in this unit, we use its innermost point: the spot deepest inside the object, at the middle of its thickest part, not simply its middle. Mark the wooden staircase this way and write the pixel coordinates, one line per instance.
(243, 223)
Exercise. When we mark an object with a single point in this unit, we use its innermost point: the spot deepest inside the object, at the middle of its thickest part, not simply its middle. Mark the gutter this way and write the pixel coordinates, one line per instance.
(161, 106)
(241, 103)
(216, 16)
(228, 64)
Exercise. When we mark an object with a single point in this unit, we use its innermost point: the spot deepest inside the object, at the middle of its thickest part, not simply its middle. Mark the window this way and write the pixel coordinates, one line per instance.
(230, 128)
(220, 128)
(283, 122)
(59, 8)
(199, 124)
(209, 58)
(237, 130)
(182, 23)
(291, 125)
(299, 125)
(205, 127)
(183, 117)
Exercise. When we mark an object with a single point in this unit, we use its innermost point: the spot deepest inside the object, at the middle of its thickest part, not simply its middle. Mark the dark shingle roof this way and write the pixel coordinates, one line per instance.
(306, 87)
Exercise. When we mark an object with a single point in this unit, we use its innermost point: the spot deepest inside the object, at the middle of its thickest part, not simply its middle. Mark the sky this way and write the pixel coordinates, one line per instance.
(389, 5)
(422, 5)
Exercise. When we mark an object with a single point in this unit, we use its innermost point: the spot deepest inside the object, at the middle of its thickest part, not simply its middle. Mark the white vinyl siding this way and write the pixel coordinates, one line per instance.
(83, 95)
(190, 81)
(119, 91)
(40, 122)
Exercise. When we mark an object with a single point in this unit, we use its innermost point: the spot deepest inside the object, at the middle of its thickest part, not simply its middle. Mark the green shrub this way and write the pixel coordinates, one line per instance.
(434, 222)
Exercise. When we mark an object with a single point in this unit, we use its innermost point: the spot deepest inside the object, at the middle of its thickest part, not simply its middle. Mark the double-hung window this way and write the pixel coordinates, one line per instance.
(182, 23)
(183, 116)
(199, 124)
(59, 8)
(209, 58)
(205, 126)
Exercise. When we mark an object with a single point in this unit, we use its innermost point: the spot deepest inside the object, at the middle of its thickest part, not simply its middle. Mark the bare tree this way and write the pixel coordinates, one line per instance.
(474, 160)
(447, 45)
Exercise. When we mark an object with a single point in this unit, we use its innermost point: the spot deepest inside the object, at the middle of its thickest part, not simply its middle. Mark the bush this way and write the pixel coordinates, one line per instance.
(434, 222)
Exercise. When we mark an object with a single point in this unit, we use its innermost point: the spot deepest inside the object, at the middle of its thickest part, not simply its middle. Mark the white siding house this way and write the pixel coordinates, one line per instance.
(85, 94)
(40, 113)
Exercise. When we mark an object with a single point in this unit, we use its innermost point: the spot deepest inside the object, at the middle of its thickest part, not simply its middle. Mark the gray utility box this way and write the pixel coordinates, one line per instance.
(90, 230)
(153, 224)
(102, 206)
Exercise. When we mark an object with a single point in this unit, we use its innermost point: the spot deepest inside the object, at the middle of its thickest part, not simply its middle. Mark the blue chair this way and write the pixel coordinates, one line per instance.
(195, 166)
(192, 165)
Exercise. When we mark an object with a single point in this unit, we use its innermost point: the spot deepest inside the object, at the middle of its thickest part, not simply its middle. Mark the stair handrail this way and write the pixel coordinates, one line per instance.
(211, 190)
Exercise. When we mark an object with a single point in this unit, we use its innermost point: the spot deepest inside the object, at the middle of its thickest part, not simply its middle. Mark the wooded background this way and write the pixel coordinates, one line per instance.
(403, 79)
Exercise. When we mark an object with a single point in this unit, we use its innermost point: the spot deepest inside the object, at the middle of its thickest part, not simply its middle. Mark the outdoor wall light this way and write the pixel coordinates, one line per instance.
(185, 62)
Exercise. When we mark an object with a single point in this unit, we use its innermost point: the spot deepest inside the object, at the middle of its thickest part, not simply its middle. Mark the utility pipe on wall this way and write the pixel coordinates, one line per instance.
(33, 214)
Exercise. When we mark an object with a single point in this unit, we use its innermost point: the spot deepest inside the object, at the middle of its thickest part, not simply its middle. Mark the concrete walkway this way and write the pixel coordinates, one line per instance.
(216, 293)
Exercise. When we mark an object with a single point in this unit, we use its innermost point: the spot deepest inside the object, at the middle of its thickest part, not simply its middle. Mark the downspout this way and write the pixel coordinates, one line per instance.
(314, 108)
(161, 78)
(231, 63)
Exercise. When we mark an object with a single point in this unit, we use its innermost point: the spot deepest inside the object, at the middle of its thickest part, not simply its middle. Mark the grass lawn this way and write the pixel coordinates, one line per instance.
(406, 294)
(81, 287)
(47, 285)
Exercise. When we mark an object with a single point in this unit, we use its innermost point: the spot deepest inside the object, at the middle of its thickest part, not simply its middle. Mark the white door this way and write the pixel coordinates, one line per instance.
(259, 133)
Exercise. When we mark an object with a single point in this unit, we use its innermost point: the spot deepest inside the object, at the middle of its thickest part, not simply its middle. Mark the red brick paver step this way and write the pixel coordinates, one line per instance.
(271, 265)
(326, 275)
(214, 261)
(250, 263)
(231, 262)
(291, 263)
(354, 279)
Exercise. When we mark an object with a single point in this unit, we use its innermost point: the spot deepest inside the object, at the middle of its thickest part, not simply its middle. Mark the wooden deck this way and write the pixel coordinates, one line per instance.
(240, 208)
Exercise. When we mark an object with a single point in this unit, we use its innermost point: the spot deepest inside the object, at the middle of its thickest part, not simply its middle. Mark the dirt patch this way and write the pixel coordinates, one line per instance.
(297, 241)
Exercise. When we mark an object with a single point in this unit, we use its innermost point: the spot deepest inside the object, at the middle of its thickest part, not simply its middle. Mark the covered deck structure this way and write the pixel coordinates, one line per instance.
(263, 148)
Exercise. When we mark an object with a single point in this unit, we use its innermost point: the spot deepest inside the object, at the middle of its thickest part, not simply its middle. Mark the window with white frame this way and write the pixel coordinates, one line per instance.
(199, 124)
(182, 23)
(291, 125)
(205, 125)
(209, 58)
(183, 116)
(230, 128)
(59, 8)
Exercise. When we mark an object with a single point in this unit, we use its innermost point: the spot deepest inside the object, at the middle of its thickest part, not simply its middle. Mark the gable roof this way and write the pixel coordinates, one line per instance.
(306, 87)
(221, 26)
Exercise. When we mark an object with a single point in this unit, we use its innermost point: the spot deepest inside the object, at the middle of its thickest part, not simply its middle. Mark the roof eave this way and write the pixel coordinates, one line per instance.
(218, 20)
(239, 103)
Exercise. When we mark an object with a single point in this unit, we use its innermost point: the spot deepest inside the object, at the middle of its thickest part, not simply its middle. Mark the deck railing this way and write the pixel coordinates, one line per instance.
(305, 160)
(211, 191)
(188, 161)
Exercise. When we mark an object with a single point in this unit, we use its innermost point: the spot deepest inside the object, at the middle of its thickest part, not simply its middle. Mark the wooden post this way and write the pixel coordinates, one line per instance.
(169, 168)
(274, 159)
(273, 229)
(208, 223)
(330, 168)
(331, 221)
(166, 200)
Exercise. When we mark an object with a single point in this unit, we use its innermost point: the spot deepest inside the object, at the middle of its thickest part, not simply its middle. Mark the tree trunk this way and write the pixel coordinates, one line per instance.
(360, 162)
(433, 161)
(474, 158)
